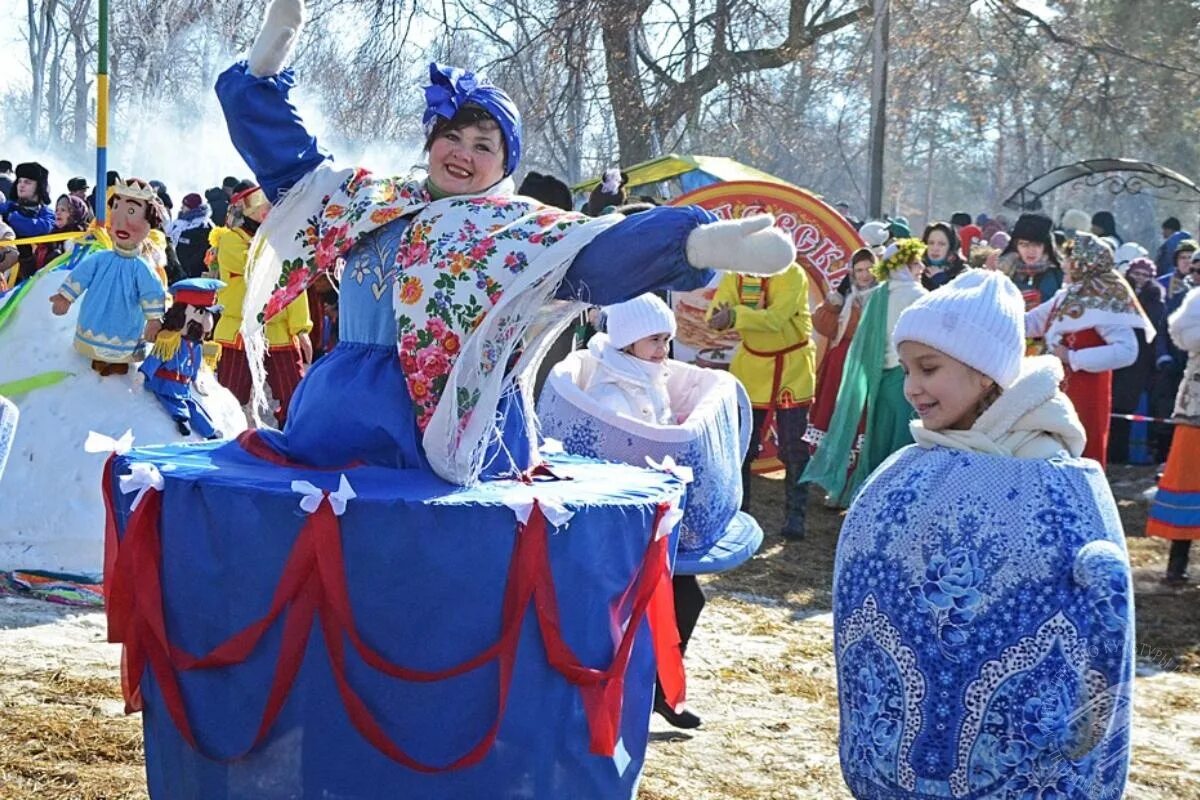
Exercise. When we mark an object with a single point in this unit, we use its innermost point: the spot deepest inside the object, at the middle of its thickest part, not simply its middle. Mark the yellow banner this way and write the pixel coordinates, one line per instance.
(49, 237)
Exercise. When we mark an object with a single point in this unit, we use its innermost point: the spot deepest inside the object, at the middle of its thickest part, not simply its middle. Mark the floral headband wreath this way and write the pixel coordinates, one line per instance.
(898, 255)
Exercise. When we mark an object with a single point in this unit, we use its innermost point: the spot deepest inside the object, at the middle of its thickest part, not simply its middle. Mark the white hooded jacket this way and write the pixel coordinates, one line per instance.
(1031, 419)
(629, 385)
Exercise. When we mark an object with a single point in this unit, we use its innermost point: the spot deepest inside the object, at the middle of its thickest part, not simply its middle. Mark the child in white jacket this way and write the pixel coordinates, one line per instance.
(631, 372)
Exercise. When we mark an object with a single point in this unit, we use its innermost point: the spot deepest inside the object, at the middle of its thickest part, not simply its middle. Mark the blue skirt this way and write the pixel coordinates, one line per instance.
(353, 407)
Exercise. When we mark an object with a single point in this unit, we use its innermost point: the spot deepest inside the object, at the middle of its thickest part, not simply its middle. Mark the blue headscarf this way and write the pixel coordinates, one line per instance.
(451, 88)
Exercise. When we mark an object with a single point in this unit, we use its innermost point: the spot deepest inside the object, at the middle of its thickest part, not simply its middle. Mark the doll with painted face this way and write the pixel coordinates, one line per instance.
(124, 297)
(175, 361)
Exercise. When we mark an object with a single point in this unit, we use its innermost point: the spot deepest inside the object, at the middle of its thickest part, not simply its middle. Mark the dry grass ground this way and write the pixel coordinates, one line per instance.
(760, 671)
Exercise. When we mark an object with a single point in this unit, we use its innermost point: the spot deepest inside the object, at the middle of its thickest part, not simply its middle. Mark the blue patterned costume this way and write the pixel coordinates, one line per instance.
(984, 631)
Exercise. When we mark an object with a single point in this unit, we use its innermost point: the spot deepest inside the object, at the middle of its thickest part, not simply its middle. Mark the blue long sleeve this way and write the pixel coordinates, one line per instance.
(266, 129)
(644, 253)
(26, 226)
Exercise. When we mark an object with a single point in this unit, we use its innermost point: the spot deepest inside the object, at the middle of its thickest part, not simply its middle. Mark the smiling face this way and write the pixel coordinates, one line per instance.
(651, 348)
(937, 245)
(467, 160)
(945, 392)
(1139, 276)
(128, 222)
(1183, 261)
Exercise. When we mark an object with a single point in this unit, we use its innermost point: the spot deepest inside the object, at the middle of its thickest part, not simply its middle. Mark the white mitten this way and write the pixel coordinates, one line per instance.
(752, 245)
(280, 30)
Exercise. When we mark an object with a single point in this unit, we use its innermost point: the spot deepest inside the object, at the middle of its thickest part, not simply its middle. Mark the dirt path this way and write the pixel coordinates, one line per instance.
(760, 674)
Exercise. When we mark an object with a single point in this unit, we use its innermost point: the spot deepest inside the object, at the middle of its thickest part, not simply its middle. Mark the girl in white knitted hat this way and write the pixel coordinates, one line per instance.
(983, 621)
(631, 372)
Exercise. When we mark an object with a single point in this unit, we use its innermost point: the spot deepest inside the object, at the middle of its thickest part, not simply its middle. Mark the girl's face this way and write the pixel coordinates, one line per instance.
(651, 348)
(468, 160)
(937, 246)
(917, 268)
(863, 278)
(1031, 252)
(62, 213)
(944, 391)
(1183, 261)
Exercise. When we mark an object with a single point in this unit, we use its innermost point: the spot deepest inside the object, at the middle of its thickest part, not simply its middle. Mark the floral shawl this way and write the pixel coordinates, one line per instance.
(474, 273)
(1096, 294)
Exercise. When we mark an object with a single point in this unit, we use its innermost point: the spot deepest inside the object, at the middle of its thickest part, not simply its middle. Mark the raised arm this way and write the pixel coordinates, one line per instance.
(672, 248)
(265, 127)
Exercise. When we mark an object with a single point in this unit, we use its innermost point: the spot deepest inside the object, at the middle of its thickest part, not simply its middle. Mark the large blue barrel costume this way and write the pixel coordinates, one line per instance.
(983, 617)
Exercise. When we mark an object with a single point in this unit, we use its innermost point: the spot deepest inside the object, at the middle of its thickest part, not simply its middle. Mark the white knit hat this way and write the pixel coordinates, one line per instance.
(638, 318)
(978, 318)
(874, 233)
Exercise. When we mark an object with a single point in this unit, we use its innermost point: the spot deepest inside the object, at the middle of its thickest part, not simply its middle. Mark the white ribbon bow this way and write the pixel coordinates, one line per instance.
(142, 477)
(311, 500)
(99, 443)
(669, 466)
(556, 513)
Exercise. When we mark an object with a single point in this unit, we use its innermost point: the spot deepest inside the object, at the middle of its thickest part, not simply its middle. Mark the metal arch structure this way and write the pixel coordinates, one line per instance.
(1144, 178)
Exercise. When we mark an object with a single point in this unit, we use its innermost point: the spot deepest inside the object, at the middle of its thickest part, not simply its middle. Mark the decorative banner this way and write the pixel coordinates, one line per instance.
(824, 242)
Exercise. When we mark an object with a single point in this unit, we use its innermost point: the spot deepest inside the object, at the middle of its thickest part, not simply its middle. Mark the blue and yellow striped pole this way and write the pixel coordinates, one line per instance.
(101, 194)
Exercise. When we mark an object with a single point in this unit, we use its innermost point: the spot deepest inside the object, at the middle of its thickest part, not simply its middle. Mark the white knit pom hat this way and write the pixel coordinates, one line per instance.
(638, 318)
(978, 318)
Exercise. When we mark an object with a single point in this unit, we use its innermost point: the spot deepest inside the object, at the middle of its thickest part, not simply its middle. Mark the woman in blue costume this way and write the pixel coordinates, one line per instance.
(362, 404)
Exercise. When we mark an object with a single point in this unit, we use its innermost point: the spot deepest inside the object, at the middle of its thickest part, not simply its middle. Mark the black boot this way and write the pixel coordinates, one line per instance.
(1177, 562)
(795, 505)
(684, 720)
(182, 426)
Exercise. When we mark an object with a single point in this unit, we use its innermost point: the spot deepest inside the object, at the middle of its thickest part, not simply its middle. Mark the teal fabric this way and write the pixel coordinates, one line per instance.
(829, 467)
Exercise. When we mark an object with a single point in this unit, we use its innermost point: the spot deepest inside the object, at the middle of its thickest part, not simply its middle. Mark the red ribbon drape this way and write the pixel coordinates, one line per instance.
(312, 587)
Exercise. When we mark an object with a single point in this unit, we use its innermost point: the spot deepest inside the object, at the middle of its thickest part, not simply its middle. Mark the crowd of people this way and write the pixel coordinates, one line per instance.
(1096, 302)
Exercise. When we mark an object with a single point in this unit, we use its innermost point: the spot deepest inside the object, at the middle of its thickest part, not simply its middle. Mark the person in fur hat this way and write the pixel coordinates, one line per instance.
(1175, 514)
(28, 211)
(548, 189)
(178, 354)
(123, 298)
(1002, 666)
(1089, 325)
(870, 420)
(1032, 260)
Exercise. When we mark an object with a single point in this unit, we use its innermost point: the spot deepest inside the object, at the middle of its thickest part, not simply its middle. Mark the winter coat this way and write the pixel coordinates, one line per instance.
(1031, 419)
(628, 385)
(772, 317)
(1120, 348)
(1184, 327)
(190, 236)
(233, 247)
